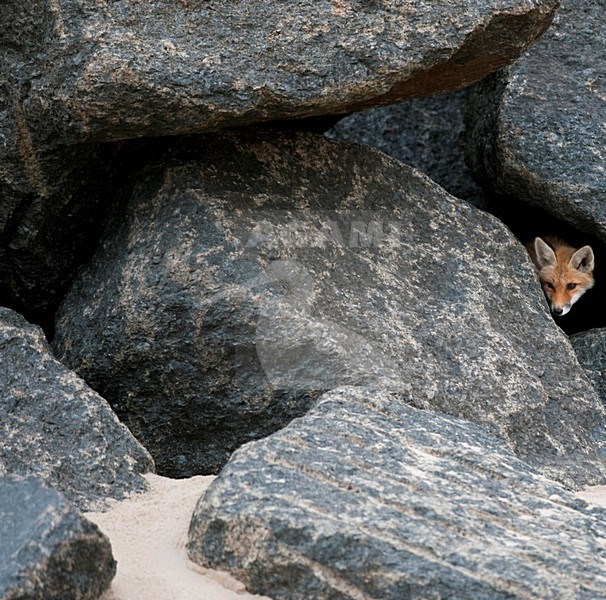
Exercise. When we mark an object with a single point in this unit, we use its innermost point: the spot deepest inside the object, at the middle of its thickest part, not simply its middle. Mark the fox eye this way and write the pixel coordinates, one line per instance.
(549, 286)
(571, 286)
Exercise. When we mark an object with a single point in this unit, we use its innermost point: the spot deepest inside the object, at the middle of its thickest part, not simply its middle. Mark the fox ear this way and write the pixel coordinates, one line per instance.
(545, 255)
(583, 260)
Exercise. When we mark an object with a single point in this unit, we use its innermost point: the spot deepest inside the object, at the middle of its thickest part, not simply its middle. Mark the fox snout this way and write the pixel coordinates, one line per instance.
(560, 310)
(561, 295)
(565, 273)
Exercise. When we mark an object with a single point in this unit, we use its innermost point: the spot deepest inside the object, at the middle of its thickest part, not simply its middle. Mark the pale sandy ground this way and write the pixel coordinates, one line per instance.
(148, 533)
(595, 495)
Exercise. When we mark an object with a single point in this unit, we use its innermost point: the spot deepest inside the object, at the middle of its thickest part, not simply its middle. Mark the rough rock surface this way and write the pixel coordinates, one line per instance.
(426, 133)
(253, 271)
(536, 130)
(55, 427)
(365, 497)
(48, 550)
(78, 71)
(89, 71)
(74, 72)
(590, 348)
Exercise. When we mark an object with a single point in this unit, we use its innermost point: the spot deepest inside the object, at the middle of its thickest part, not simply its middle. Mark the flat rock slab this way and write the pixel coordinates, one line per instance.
(48, 550)
(367, 498)
(53, 426)
(425, 133)
(253, 271)
(536, 131)
(89, 71)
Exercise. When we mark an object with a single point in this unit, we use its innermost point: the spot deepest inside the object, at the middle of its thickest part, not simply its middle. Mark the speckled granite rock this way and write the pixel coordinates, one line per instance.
(255, 270)
(48, 550)
(85, 71)
(427, 133)
(367, 498)
(536, 131)
(590, 348)
(77, 71)
(53, 426)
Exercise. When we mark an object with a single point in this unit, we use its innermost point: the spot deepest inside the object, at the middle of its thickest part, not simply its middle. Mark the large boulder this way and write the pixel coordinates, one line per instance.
(75, 73)
(365, 497)
(535, 131)
(55, 427)
(254, 270)
(48, 550)
(83, 71)
(425, 133)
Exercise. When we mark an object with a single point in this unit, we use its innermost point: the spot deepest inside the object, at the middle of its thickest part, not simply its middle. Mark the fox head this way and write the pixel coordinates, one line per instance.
(565, 273)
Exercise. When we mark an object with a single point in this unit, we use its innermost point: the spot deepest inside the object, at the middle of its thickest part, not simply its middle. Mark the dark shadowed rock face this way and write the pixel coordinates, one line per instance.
(427, 133)
(55, 427)
(536, 130)
(367, 498)
(590, 348)
(82, 71)
(253, 271)
(49, 219)
(48, 551)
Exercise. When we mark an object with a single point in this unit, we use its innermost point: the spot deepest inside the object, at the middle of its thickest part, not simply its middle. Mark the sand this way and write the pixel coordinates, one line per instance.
(148, 533)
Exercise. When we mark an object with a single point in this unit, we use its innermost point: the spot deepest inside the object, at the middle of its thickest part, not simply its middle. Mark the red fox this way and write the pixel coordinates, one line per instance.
(565, 273)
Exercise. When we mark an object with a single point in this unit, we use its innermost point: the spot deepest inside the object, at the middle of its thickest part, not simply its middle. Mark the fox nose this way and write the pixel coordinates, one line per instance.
(557, 310)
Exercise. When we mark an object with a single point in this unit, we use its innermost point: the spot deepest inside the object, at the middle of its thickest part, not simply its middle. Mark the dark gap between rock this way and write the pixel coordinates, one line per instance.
(526, 222)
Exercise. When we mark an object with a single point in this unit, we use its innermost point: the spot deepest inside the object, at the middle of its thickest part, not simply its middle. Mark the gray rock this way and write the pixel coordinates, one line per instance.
(91, 72)
(50, 193)
(55, 427)
(48, 550)
(536, 130)
(365, 497)
(78, 72)
(254, 271)
(83, 72)
(427, 133)
(590, 348)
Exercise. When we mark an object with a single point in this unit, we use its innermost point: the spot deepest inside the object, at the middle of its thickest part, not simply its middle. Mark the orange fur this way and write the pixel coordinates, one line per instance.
(565, 273)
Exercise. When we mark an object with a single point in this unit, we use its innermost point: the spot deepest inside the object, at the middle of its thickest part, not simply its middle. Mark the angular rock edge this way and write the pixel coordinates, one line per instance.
(48, 550)
(427, 134)
(535, 130)
(590, 348)
(55, 427)
(367, 498)
(112, 72)
(185, 319)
